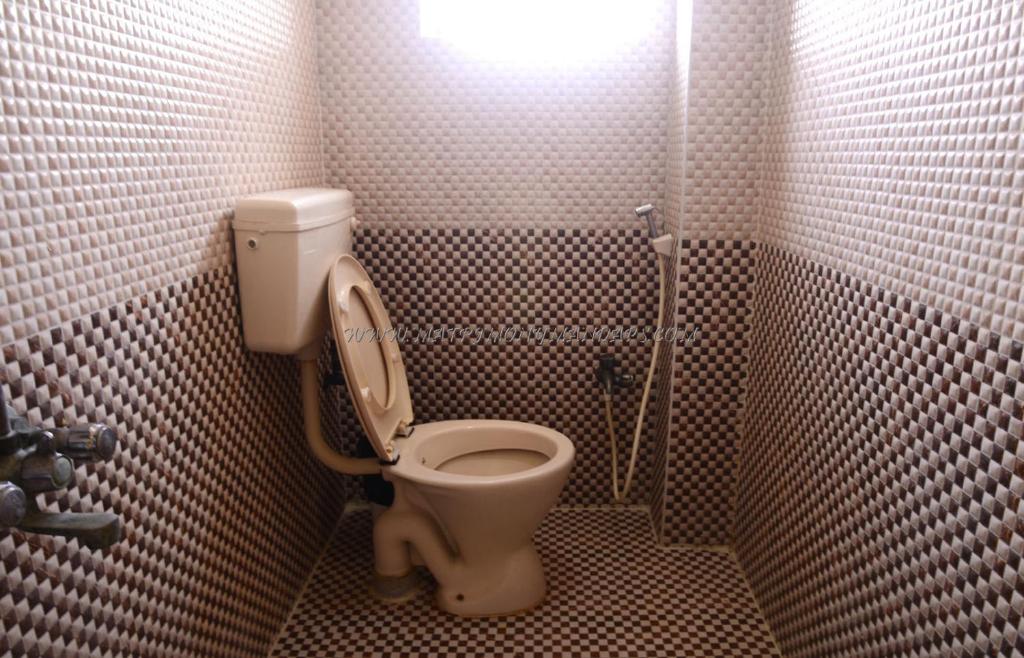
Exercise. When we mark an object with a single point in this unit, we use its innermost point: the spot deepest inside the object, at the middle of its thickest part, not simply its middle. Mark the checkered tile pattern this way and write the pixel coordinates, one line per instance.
(554, 277)
(715, 121)
(224, 508)
(878, 512)
(880, 506)
(612, 592)
(128, 130)
(893, 149)
(425, 134)
(716, 285)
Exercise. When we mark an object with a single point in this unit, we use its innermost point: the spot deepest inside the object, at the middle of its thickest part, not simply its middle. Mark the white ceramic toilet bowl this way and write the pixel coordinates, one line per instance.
(469, 495)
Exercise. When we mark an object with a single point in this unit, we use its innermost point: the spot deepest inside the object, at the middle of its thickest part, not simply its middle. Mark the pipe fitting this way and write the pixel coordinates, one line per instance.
(32, 462)
(86, 443)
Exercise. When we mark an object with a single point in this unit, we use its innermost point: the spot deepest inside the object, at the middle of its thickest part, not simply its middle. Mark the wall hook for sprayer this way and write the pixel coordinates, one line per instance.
(608, 375)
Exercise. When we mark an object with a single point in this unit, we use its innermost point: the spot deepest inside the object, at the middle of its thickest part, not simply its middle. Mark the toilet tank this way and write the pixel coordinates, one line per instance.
(285, 244)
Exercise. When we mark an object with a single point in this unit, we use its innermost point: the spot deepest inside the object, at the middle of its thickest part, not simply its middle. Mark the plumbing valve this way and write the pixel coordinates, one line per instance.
(608, 375)
(34, 460)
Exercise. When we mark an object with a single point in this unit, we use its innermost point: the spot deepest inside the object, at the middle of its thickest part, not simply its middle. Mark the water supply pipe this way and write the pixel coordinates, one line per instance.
(314, 433)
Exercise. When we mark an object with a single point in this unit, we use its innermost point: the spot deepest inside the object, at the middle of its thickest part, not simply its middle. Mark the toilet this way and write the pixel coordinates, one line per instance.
(469, 494)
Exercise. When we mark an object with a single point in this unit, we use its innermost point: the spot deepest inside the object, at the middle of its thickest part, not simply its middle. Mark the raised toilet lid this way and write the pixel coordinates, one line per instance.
(368, 348)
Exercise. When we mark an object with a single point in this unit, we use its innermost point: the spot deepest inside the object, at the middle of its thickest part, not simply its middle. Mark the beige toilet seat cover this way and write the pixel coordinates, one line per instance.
(368, 349)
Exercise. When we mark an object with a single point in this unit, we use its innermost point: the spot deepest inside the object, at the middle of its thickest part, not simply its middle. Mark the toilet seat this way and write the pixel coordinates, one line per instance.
(441, 442)
(368, 349)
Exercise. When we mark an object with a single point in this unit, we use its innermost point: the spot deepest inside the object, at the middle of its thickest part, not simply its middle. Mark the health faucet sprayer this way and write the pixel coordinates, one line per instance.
(610, 380)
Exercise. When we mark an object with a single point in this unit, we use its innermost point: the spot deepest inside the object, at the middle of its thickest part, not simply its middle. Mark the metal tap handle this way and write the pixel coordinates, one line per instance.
(41, 473)
(86, 443)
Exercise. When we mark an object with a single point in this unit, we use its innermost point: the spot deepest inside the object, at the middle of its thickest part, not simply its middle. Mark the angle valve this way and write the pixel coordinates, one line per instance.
(609, 376)
(35, 460)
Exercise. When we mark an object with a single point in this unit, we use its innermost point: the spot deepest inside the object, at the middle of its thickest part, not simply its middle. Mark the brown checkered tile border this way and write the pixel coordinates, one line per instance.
(588, 277)
(613, 592)
(224, 508)
(882, 471)
(169, 370)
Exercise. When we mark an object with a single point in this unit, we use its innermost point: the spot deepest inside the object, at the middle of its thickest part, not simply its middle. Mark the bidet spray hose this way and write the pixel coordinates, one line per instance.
(619, 496)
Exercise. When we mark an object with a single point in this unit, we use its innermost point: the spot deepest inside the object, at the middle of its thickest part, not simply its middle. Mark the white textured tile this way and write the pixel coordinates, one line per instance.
(894, 149)
(424, 133)
(128, 130)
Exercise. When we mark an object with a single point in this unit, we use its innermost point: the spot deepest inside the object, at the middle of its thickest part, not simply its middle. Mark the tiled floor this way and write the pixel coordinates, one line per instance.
(614, 592)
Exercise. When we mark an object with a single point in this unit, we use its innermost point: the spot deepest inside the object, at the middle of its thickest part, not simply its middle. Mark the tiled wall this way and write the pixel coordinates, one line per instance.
(432, 138)
(713, 297)
(881, 481)
(862, 160)
(502, 193)
(671, 216)
(428, 136)
(523, 277)
(881, 465)
(425, 133)
(727, 44)
(661, 406)
(894, 150)
(711, 202)
(212, 481)
(128, 130)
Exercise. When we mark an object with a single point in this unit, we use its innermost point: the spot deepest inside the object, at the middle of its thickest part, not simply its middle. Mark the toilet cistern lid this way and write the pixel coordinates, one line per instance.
(368, 349)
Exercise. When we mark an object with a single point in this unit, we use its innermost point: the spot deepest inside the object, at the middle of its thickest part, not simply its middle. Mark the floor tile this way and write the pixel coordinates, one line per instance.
(613, 592)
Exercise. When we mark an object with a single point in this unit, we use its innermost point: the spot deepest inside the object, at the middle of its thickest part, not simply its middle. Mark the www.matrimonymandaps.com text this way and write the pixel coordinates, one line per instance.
(535, 335)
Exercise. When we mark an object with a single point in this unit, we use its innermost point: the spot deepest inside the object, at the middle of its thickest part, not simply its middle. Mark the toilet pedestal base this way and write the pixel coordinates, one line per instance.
(504, 585)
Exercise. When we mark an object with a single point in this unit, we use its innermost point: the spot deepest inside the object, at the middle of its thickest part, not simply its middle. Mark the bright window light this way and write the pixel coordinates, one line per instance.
(539, 32)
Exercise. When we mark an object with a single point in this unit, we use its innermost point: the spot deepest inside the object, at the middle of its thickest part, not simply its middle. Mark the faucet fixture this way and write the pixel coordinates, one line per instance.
(34, 460)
